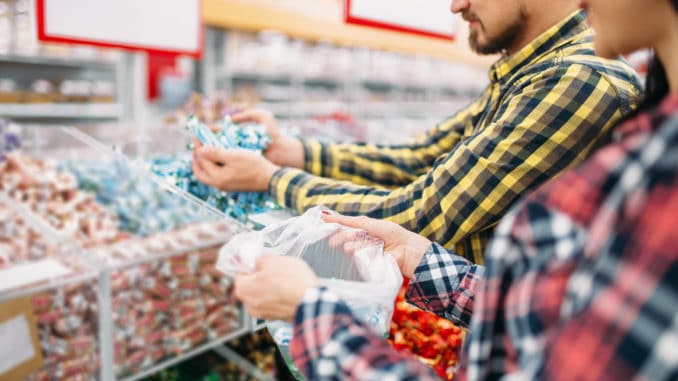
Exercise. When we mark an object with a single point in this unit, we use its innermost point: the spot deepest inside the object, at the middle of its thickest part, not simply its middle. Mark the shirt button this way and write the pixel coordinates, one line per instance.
(426, 301)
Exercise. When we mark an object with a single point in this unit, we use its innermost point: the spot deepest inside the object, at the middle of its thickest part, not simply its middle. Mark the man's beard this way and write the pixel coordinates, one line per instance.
(499, 43)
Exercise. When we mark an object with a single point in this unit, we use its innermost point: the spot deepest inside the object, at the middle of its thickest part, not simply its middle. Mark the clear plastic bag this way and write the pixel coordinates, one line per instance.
(365, 277)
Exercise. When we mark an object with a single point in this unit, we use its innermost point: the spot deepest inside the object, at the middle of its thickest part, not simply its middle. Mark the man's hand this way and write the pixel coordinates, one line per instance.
(275, 289)
(406, 247)
(283, 150)
(232, 170)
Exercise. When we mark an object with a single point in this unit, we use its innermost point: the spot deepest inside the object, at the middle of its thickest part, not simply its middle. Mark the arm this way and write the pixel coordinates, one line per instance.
(547, 125)
(370, 164)
(330, 344)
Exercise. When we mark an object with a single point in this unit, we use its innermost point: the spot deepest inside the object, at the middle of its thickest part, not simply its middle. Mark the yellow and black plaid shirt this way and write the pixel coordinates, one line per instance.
(545, 108)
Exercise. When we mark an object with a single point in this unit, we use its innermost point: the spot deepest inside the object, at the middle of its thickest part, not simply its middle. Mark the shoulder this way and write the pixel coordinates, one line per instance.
(576, 63)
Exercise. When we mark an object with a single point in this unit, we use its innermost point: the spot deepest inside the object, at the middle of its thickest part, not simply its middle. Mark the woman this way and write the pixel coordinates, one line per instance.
(581, 279)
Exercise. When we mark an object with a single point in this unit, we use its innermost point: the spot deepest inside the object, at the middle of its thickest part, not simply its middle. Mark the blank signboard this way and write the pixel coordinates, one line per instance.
(430, 18)
(167, 26)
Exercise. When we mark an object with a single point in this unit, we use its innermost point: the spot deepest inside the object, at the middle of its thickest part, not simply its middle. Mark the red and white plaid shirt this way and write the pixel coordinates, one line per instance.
(580, 283)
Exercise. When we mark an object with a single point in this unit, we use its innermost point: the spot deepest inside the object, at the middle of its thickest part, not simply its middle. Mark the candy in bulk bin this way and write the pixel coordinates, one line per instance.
(54, 196)
(178, 169)
(433, 340)
(66, 314)
(142, 207)
(167, 306)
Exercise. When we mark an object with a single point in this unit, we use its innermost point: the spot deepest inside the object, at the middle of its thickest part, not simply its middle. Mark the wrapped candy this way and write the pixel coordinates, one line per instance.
(178, 169)
(142, 207)
(432, 339)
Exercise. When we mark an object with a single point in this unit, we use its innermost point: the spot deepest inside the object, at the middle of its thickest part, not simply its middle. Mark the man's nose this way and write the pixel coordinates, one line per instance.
(458, 6)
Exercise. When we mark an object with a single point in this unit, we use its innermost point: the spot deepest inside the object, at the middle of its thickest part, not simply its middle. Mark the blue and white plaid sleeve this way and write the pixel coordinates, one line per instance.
(445, 284)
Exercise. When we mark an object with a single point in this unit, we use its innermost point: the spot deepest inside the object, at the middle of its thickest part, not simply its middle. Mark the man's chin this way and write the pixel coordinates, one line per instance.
(487, 49)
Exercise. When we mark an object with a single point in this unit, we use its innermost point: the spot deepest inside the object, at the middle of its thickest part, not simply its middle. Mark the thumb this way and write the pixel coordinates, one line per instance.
(361, 222)
(263, 261)
(215, 155)
(214, 127)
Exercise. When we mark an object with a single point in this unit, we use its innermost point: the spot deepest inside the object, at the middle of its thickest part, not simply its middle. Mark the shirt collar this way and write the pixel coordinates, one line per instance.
(549, 40)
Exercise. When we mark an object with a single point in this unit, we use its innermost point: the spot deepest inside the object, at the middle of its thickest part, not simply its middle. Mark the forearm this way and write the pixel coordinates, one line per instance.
(384, 165)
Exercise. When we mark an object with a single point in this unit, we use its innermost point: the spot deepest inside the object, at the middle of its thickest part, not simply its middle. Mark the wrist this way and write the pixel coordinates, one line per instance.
(295, 152)
(417, 246)
(266, 176)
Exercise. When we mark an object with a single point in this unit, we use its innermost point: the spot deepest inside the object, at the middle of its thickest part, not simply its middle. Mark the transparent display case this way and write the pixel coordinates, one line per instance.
(143, 252)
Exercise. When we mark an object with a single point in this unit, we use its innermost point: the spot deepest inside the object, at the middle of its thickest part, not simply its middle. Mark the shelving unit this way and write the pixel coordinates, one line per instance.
(22, 70)
(69, 111)
(294, 93)
(57, 61)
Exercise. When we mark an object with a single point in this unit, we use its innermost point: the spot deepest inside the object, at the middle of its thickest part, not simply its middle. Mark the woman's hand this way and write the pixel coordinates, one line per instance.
(275, 289)
(406, 247)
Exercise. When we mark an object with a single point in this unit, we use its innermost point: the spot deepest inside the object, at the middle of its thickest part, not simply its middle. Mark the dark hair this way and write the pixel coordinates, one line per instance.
(656, 85)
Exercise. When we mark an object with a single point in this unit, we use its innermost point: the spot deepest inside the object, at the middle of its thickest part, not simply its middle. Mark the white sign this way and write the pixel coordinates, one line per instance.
(429, 17)
(159, 25)
(22, 275)
(18, 345)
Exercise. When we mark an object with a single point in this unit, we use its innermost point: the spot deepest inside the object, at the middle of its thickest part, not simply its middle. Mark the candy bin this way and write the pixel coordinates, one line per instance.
(51, 313)
(157, 246)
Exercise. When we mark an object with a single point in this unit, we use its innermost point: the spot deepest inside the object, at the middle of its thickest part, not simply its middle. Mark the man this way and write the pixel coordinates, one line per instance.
(549, 102)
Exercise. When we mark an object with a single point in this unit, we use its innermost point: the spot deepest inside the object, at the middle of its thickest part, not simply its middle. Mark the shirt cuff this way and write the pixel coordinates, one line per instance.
(445, 284)
(315, 156)
(285, 186)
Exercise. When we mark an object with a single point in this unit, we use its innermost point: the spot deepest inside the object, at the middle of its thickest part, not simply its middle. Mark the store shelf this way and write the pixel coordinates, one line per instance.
(260, 15)
(61, 110)
(57, 61)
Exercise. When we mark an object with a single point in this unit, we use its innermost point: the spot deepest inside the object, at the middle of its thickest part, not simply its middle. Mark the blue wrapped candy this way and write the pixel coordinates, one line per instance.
(178, 168)
(143, 208)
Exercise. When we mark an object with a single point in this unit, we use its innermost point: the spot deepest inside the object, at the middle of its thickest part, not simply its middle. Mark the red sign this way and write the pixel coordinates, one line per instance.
(430, 18)
(154, 26)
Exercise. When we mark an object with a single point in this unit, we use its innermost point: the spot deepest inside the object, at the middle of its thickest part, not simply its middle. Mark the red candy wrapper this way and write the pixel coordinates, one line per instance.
(434, 340)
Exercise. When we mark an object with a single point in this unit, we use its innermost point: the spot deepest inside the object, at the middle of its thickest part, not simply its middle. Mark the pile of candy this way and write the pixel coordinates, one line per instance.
(141, 206)
(161, 308)
(19, 243)
(178, 169)
(54, 196)
(67, 321)
(432, 339)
